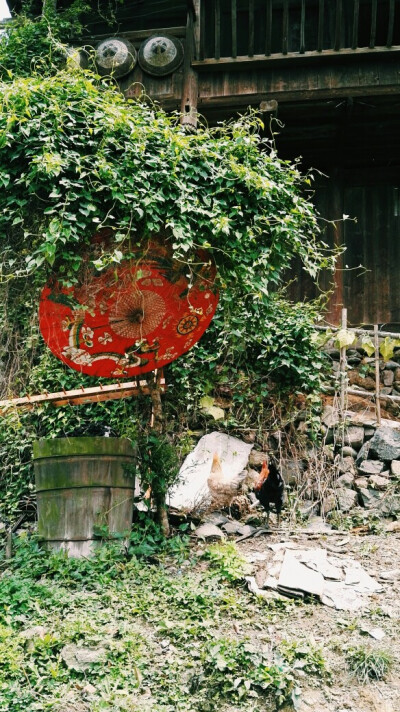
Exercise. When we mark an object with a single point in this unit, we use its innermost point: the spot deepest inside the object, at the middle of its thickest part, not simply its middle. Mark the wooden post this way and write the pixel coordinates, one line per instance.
(157, 423)
(190, 81)
(343, 380)
(8, 553)
(377, 376)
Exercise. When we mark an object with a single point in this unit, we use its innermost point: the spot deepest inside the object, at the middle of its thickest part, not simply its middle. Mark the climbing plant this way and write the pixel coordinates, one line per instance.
(76, 157)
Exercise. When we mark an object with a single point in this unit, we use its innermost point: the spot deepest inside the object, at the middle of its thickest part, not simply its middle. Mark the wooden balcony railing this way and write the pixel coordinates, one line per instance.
(280, 28)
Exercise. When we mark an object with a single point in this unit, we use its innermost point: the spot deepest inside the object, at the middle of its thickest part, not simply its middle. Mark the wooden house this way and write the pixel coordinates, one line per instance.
(327, 72)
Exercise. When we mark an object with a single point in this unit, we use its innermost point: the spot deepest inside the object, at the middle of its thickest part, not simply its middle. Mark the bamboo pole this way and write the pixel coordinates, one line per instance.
(343, 378)
(363, 394)
(377, 379)
(393, 334)
(78, 396)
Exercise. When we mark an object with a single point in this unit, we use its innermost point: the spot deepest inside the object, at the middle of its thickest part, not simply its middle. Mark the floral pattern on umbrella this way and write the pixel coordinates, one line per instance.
(131, 319)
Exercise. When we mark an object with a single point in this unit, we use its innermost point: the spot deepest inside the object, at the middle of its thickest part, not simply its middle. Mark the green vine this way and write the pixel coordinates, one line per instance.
(76, 157)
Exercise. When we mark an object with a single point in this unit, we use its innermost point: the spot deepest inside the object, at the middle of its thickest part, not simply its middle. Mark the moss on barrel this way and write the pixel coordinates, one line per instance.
(81, 484)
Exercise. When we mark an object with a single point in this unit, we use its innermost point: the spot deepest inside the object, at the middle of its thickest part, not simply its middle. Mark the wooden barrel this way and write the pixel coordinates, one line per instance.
(82, 484)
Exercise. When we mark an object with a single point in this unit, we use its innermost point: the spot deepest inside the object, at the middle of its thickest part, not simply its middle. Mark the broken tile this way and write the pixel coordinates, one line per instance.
(295, 575)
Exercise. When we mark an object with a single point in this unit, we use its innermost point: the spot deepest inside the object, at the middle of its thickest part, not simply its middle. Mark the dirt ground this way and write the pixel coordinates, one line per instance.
(335, 631)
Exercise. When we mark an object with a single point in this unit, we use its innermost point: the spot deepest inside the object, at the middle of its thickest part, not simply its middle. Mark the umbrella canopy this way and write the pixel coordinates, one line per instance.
(133, 318)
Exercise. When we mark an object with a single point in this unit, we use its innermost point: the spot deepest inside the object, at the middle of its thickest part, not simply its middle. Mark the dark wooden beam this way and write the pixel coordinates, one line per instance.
(259, 60)
(389, 40)
(217, 29)
(234, 101)
(374, 11)
(320, 40)
(202, 30)
(285, 27)
(303, 27)
(234, 27)
(356, 13)
(338, 29)
(251, 28)
(268, 27)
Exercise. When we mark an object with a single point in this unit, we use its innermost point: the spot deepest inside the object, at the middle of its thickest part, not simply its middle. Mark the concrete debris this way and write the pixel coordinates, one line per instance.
(209, 532)
(391, 575)
(340, 583)
(317, 525)
(296, 577)
(217, 518)
(268, 595)
(232, 527)
(376, 633)
(338, 595)
(80, 658)
(192, 490)
(360, 581)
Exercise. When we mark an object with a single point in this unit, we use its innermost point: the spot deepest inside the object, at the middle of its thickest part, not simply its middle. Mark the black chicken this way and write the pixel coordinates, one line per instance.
(270, 489)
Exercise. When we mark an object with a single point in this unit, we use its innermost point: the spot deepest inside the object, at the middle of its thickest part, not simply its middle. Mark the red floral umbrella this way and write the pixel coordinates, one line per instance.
(131, 319)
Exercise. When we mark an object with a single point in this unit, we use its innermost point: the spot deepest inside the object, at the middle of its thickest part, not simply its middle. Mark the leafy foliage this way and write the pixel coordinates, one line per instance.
(163, 628)
(35, 42)
(77, 157)
(226, 560)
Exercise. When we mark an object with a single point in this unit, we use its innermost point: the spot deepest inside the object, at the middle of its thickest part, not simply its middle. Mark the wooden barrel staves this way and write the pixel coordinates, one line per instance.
(83, 485)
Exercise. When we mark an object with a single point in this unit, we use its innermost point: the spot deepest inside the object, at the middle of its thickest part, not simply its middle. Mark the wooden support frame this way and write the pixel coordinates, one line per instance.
(79, 396)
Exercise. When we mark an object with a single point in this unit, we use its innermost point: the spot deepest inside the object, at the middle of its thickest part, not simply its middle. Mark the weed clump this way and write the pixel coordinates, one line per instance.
(368, 664)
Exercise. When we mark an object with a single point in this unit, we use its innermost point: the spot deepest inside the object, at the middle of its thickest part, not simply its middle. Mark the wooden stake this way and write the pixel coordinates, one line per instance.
(377, 378)
(343, 379)
(157, 423)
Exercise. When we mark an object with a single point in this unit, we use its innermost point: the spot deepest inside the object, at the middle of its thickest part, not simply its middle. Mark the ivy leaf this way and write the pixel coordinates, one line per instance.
(387, 347)
(345, 338)
(208, 408)
(368, 345)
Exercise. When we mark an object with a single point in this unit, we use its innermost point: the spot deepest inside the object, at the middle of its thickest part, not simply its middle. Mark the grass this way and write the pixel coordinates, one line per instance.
(368, 663)
(165, 619)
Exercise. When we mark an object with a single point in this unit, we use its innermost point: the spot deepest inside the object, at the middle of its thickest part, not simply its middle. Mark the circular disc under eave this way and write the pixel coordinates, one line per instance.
(116, 56)
(160, 55)
(131, 319)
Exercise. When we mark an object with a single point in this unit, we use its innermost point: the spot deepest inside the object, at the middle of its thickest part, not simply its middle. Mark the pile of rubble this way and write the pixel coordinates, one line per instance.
(363, 476)
(369, 470)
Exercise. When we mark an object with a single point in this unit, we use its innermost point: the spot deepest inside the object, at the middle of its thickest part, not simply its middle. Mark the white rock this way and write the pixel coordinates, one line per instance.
(192, 491)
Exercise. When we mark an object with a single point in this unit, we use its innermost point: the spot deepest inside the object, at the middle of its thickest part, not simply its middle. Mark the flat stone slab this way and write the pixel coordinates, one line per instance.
(371, 467)
(209, 532)
(379, 482)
